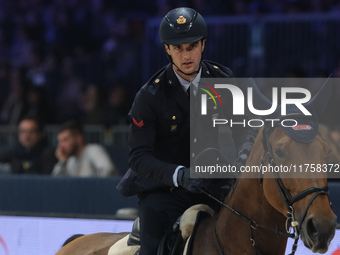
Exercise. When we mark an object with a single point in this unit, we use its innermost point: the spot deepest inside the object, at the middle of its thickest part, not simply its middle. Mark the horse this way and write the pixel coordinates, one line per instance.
(263, 209)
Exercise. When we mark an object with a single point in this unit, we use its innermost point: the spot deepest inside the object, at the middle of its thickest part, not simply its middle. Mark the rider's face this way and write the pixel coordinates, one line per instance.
(186, 57)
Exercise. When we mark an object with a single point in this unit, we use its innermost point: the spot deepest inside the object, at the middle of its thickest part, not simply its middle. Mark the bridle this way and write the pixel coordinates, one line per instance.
(287, 198)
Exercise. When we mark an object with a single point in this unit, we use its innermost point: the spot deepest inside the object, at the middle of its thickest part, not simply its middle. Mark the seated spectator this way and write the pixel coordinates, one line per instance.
(14, 107)
(93, 105)
(32, 154)
(37, 104)
(78, 159)
(118, 106)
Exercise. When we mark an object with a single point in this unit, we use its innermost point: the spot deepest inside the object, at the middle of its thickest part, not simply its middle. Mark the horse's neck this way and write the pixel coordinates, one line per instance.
(248, 199)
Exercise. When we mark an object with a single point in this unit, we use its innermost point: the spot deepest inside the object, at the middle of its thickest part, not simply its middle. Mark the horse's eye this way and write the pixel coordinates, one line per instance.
(280, 153)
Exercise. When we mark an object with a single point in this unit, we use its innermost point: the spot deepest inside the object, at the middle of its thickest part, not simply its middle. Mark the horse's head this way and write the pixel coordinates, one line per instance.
(299, 187)
(304, 195)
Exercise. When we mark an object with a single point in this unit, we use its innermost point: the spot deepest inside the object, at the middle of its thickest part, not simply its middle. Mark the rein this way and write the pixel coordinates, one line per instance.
(252, 224)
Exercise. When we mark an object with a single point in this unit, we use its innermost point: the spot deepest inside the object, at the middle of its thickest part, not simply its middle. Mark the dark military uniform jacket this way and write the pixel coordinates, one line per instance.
(159, 133)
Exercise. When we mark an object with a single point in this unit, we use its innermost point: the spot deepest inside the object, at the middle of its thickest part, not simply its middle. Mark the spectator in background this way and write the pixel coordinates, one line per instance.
(15, 104)
(118, 106)
(78, 159)
(37, 104)
(32, 154)
(68, 98)
(4, 81)
(93, 105)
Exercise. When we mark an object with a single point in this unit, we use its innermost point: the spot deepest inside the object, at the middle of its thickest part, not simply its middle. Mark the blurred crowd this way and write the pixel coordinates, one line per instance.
(81, 59)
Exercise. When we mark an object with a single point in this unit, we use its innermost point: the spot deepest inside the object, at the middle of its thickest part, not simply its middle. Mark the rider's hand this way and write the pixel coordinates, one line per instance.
(61, 155)
(190, 184)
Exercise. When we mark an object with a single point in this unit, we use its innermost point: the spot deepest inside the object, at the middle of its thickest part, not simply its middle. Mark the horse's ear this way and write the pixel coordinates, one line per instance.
(319, 102)
(261, 102)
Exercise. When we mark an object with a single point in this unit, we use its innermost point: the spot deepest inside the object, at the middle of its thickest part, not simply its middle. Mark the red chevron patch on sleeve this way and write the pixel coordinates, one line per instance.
(138, 124)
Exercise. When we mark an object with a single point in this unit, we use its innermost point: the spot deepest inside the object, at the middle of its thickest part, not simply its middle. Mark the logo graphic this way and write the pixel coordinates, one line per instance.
(337, 252)
(239, 100)
(4, 245)
(204, 97)
(302, 127)
(279, 102)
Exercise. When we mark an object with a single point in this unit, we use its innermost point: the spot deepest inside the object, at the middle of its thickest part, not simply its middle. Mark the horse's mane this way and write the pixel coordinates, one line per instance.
(71, 238)
(231, 192)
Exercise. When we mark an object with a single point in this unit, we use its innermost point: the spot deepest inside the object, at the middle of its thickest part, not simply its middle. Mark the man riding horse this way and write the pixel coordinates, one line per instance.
(265, 208)
(163, 126)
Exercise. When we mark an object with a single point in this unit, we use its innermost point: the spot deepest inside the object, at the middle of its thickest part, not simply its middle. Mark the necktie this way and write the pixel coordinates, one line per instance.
(188, 92)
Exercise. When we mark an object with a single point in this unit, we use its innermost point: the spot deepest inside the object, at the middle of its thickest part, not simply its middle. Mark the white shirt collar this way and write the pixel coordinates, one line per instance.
(185, 84)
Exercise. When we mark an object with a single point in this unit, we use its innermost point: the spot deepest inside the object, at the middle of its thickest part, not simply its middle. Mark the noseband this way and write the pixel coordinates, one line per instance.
(287, 198)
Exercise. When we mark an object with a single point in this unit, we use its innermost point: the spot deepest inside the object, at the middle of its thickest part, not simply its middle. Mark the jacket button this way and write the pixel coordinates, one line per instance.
(195, 140)
(193, 155)
(174, 117)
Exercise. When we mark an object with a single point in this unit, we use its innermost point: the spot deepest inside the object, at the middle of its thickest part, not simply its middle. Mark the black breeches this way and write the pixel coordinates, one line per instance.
(159, 210)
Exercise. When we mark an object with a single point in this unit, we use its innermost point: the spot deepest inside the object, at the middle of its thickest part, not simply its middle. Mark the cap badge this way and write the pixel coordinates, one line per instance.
(181, 20)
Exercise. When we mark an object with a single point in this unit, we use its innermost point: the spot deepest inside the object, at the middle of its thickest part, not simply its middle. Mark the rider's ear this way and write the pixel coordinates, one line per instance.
(167, 48)
(203, 44)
